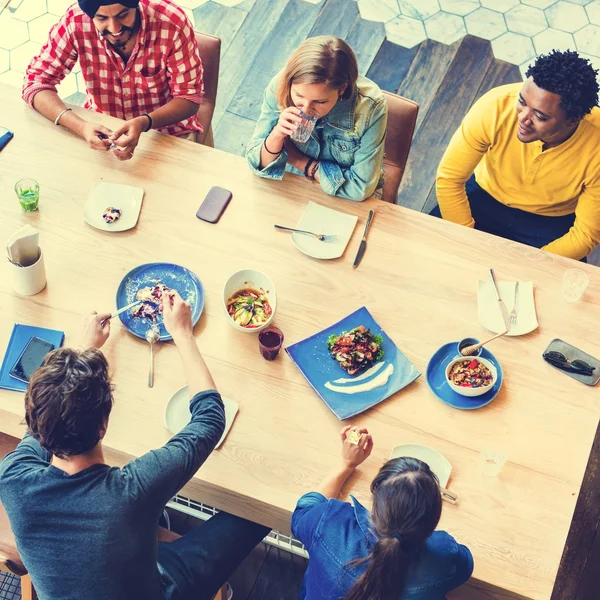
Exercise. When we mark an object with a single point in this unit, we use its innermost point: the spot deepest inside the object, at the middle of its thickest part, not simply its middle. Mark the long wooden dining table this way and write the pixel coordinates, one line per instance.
(418, 278)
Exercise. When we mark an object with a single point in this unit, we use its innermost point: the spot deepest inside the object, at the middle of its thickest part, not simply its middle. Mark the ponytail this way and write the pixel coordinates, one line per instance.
(407, 506)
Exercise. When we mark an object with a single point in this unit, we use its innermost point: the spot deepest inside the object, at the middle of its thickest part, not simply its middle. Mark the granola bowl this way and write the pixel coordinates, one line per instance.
(471, 376)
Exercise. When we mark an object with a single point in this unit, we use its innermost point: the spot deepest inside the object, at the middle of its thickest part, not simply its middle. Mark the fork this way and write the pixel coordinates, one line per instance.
(513, 312)
(319, 236)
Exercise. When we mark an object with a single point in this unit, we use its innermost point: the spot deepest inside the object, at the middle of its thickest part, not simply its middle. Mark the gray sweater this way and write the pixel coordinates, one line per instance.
(92, 535)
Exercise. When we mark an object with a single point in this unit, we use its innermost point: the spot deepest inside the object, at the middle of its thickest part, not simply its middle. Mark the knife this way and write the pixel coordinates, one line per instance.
(503, 309)
(363, 244)
(120, 311)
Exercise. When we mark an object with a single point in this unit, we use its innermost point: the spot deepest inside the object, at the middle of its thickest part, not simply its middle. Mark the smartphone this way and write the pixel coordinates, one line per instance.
(214, 205)
(31, 358)
(5, 136)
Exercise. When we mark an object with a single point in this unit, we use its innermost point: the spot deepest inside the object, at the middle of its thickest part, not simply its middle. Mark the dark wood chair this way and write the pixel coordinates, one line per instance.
(210, 53)
(402, 117)
(10, 561)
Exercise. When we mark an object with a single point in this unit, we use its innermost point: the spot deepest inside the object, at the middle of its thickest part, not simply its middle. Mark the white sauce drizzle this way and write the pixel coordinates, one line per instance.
(365, 375)
(378, 381)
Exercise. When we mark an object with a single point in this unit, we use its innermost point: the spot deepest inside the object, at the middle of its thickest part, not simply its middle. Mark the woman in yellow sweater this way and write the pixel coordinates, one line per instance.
(525, 163)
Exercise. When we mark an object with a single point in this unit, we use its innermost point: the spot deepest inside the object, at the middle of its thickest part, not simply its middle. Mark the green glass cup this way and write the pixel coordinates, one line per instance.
(28, 192)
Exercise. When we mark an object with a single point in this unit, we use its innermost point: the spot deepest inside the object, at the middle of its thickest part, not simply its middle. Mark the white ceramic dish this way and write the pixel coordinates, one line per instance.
(124, 197)
(437, 462)
(490, 315)
(320, 219)
(467, 391)
(249, 278)
(177, 412)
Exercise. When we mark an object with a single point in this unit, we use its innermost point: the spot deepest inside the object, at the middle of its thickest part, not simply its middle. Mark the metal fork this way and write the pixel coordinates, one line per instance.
(319, 236)
(513, 312)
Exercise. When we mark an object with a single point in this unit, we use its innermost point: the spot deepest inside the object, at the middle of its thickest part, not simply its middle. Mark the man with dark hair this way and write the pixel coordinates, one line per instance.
(525, 163)
(86, 530)
(140, 62)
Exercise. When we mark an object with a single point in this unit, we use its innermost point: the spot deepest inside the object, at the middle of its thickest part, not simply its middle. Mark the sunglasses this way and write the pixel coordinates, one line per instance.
(559, 360)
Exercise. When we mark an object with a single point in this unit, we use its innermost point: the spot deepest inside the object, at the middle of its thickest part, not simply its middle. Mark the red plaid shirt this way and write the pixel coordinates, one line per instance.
(165, 64)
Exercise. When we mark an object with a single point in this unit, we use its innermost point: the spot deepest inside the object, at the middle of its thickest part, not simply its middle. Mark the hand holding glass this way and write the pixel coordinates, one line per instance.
(309, 120)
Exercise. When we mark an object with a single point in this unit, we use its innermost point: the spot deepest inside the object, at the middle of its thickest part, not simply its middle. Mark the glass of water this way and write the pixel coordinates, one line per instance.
(492, 461)
(574, 283)
(309, 119)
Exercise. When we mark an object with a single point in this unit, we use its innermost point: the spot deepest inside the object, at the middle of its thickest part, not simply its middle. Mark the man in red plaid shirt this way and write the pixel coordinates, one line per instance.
(140, 63)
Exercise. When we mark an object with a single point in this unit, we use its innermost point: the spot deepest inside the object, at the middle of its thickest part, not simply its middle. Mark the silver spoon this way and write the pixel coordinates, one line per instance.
(152, 336)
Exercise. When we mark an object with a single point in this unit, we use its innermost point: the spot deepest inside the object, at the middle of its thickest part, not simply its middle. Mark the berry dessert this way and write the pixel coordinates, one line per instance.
(151, 298)
(470, 373)
(112, 214)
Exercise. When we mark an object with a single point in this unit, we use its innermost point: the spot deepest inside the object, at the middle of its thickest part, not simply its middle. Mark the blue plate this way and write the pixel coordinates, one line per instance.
(438, 384)
(177, 278)
(315, 362)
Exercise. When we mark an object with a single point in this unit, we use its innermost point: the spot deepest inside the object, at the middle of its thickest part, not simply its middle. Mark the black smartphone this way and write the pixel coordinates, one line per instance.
(214, 205)
(31, 358)
(5, 136)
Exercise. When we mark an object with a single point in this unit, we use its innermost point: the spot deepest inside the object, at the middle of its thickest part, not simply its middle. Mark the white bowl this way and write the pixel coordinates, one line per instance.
(249, 278)
(467, 391)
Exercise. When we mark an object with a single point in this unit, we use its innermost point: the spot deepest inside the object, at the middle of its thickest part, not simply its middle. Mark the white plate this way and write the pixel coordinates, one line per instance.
(490, 315)
(125, 197)
(437, 462)
(177, 412)
(320, 219)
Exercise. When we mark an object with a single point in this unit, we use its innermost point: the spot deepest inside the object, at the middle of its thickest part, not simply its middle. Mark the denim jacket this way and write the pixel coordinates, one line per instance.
(348, 141)
(336, 532)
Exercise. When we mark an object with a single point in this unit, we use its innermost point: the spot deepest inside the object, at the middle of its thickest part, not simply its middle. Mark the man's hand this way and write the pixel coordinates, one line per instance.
(127, 136)
(96, 136)
(177, 315)
(94, 334)
(353, 454)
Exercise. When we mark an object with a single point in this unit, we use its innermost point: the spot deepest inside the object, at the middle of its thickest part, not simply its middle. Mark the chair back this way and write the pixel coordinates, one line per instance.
(210, 53)
(402, 117)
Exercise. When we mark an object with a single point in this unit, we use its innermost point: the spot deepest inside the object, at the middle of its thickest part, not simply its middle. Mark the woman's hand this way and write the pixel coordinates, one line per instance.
(289, 121)
(355, 452)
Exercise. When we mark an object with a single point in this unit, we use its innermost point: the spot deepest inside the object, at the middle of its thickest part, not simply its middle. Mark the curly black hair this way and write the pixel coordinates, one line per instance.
(570, 76)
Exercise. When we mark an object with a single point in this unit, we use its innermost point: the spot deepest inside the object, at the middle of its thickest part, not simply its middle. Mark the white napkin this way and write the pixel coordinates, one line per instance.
(490, 315)
(23, 247)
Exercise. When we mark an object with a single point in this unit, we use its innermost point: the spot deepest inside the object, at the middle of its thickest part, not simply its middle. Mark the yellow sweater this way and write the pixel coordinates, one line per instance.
(555, 182)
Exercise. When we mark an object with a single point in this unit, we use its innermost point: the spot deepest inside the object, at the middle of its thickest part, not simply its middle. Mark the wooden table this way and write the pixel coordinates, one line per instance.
(419, 280)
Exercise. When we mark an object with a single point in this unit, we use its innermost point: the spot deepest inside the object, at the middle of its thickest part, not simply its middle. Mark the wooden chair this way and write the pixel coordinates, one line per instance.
(210, 53)
(402, 117)
(10, 560)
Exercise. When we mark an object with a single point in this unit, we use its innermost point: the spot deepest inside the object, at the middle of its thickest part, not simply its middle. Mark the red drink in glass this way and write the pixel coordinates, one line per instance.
(270, 341)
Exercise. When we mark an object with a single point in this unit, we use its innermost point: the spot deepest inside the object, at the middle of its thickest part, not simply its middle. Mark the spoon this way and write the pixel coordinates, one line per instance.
(470, 350)
(152, 336)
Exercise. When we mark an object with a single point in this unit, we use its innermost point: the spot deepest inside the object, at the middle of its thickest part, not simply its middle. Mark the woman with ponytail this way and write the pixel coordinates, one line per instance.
(391, 553)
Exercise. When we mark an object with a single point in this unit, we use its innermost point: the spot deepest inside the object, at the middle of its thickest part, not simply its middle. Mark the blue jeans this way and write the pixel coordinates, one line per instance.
(197, 564)
(498, 219)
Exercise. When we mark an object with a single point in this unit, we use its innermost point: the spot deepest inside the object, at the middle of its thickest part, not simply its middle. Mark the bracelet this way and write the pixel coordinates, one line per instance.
(310, 162)
(149, 121)
(57, 120)
(273, 153)
(314, 169)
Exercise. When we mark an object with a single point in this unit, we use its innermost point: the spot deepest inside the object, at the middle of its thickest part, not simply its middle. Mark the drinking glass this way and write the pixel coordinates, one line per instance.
(492, 461)
(28, 192)
(309, 119)
(270, 341)
(574, 283)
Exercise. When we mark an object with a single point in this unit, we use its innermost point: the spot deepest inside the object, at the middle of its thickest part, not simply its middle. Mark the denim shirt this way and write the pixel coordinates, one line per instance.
(348, 142)
(336, 532)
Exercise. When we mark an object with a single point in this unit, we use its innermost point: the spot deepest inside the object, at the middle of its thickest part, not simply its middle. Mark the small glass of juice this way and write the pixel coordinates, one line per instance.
(28, 192)
(270, 341)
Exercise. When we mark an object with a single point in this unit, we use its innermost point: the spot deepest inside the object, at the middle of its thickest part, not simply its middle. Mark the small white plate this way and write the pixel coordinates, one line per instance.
(437, 462)
(490, 315)
(177, 412)
(124, 197)
(320, 219)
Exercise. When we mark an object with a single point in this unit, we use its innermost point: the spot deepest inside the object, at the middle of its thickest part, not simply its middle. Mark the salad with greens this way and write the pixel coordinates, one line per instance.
(356, 349)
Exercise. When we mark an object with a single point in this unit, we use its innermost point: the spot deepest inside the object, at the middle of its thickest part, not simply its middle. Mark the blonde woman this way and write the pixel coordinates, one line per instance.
(344, 153)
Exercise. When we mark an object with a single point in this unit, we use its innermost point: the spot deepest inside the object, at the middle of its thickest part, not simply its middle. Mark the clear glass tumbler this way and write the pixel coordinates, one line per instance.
(492, 461)
(574, 283)
(28, 192)
(309, 119)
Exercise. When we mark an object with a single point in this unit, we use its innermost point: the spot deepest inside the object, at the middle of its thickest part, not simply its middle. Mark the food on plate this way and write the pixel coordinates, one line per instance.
(470, 373)
(151, 298)
(356, 349)
(112, 214)
(249, 307)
